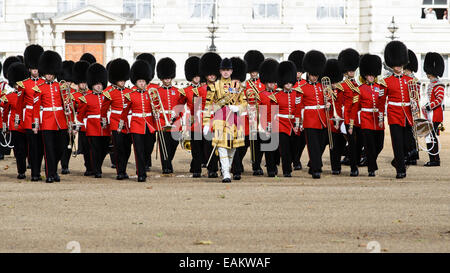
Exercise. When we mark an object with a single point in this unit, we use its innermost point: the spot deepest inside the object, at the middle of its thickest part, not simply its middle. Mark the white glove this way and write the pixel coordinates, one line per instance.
(234, 108)
(205, 130)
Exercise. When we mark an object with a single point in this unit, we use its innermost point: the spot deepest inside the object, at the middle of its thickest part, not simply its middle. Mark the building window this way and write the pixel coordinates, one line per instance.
(202, 9)
(266, 9)
(2, 9)
(433, 10)
(330, 10)
(68, 5)
(138, 9)
(445, 76)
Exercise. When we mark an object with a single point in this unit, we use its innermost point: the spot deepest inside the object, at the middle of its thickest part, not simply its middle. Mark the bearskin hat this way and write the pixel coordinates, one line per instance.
(254, 58)
(66, 73)
(50, 62)
(1, 67)
(396, 54)
(148, 58)
(268, 71)
(79, 72)
(7, 63)
(297, 58)
(226, 64)
(287, 73)
(210, 64)
(413, 64)
(333, 71)
(141, 70)
(434, 64)
(88, 57)
(314, 62)
(17, 72)
(370, 65)
(20, 58)
(348, 60)
(119, 70)
(191, 68)
(31, 56)
(239, 69)
(96, 74)
(166, 69)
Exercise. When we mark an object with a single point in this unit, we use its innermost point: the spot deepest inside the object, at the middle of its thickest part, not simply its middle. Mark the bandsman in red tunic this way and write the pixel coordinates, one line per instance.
(288, 117)
(334, 73)
(12, 116)
(97, 130)
(300, 143)
(141, 124)
(50, 114)
(349, 62)
(268, 74)
(369, 109)
(253, 87)
(434, 67)
(115, 103)
(398, 105)
(313, 107)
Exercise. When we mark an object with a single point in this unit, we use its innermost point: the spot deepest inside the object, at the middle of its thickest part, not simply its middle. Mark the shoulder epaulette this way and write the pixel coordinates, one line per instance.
(272, 97)
(195, 91)
(4, 98)
(107, 95)
(127, 95)
(339, 86)
(299, 89)
(83, 99)
(20, 84)
(182, 92)
(382, 82)
(36, 88)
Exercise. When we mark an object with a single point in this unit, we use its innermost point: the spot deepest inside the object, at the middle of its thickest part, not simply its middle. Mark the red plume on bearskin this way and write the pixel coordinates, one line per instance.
(434, 64)
(254, 58)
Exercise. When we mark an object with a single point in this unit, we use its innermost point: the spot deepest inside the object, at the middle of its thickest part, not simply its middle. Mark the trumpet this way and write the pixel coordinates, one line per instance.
(328, 93)
(422, 127)
(157, 108)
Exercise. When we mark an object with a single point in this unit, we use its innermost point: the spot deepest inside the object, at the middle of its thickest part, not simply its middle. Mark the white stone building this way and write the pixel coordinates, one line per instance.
(178, 28)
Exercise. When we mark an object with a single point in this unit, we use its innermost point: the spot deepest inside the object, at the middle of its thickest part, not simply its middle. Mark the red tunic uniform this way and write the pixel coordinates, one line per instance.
(116, 102)
(192, 96)
(77, 104)
(27, 101)
(313, 106)
(90, 111)
(268, 100)
(170, 98)
(435, 97)
(370, 106)
(256, 83)
(338, 103)
(288, 110)
(350, 89)
(399, 106)
(142, 113)
(9, 104)
(49, 107)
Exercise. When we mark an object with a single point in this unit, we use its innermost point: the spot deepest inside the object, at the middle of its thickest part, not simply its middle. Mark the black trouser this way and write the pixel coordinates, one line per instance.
(84, 143)
(171, 140)
(122, 150)
(99, 147)
(434, 147)
(300, 144)
(286, 147)
(338, 150)
(373, 145)
(271, 157)
(35, 152)
(355, 143)
(198, 153)
(213, 165)
(19, 141)
(143, 146)
(4, 150)
(316, 140)
(237, 166)
(67, 152)
(53, 150)
(400, 136)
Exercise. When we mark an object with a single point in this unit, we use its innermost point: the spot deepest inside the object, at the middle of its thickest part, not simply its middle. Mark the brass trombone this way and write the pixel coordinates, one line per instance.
(72, 125)
(329, 94)
(157, 108)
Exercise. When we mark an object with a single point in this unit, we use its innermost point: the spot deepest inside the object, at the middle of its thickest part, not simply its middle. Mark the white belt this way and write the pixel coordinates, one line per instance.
(286, 116)
(314, 107)
(29, 107)
(243, 114)
(399, 103)
(93, 116)
(118, 112)
(372, 110)
(169, 112)
(50, 109)
(141, 115)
